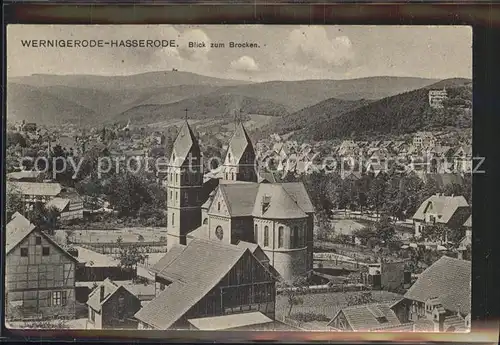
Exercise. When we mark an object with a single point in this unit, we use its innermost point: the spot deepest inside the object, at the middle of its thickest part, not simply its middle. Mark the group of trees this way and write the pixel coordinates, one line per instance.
(390, 193)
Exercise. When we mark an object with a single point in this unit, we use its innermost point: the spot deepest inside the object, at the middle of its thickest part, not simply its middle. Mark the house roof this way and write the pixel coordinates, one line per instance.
(468, 222)
(94, 259)
(59, 203)
(110, 288)
(219, 323)
(194, 270)
(185, 142)
(19, 175)
(281, 204)
(367, 317)
(16, 230)
(240, 142)
(19, 227)
(450, 280)
(200, 232)
(36, 188)
(444, 206)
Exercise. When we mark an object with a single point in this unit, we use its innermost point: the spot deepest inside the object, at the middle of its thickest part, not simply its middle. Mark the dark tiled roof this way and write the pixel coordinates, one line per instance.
(449, 280)
(240, 142)
(185, 142)
(194, 272)
(281, 204)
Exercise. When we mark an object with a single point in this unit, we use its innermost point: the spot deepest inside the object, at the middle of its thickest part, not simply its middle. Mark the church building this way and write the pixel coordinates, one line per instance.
(276, 216)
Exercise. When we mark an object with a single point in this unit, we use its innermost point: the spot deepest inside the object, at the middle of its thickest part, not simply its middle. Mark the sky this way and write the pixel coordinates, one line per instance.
(283, 52)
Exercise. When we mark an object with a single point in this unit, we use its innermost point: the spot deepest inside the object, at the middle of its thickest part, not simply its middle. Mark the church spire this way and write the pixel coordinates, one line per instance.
(239, 164)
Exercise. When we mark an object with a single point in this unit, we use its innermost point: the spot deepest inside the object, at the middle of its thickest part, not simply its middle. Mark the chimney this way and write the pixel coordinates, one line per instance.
(102, 293)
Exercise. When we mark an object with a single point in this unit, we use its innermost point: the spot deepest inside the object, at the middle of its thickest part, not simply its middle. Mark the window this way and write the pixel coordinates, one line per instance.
(186, 198)
(176, 178)
(58, 298)
(266, 236)
(171, 195)
(172, 219)
(256, 234)
(176, 195)
(205, 221)
(24, 252)
(38, 240)
(295, 237)
(162, 286)
(46, 251)
(281, 231)
(218, 206)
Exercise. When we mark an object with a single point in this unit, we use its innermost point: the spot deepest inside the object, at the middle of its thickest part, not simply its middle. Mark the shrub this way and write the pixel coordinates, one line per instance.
(308, 317)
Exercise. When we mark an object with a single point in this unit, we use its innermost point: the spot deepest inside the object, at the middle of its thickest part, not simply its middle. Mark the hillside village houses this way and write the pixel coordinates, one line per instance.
(451, 211)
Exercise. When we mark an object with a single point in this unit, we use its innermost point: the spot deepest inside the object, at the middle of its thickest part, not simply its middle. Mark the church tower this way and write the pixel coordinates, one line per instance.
(184, 186)
(240, 161)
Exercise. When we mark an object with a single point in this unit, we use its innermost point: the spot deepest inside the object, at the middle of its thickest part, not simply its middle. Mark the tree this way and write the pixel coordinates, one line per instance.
(14, 202)
(385, 230)
(127, 193)
(435, 232)
(130, 256)
(324, 230)
(359, 299)
(45, 218)
(376, 193)
(292, 290)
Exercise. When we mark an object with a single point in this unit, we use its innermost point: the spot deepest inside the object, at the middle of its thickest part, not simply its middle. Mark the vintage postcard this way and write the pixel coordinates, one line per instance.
(245, 177)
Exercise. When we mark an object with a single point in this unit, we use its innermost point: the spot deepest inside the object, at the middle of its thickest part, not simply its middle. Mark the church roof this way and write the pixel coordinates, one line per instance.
(240, 198)
(239, 143)
(281, 204)
(185, 142)
(299, 194)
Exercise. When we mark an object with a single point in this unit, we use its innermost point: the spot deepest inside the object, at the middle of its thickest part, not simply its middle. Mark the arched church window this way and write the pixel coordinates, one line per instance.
(266, 236)
(256, 234)
(281, 234)
(173, 219)
(219, 232)
(218, 206)
(205, 221)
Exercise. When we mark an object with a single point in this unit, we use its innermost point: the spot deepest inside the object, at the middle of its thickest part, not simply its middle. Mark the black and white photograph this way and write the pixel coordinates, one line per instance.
(239, 178)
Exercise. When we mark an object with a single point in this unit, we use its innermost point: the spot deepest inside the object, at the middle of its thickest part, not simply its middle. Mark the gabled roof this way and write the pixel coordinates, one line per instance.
(194, 270)
(240, 143)
(240, 198)
(368, 317)
(16, 230)
(281, 204)
(59, 203)
(444, 206)
(298, 193)
(450, 280)
(19, 228)
(185, 143)
(35, 188)
(20, 175)
(110, 288)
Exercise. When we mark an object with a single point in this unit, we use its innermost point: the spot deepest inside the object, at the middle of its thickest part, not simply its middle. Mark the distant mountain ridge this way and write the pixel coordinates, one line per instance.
(160, 96)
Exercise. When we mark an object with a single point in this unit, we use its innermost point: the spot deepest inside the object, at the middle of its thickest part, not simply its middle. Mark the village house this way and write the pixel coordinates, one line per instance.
(441, 295)
(34, 192)
(463, 159)
(424, 140)
(464, 248)
(348, 148)
(112, 306)
(39, 274)
(450, 211)
(69, 204)
(368, 318)
(207, 279)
